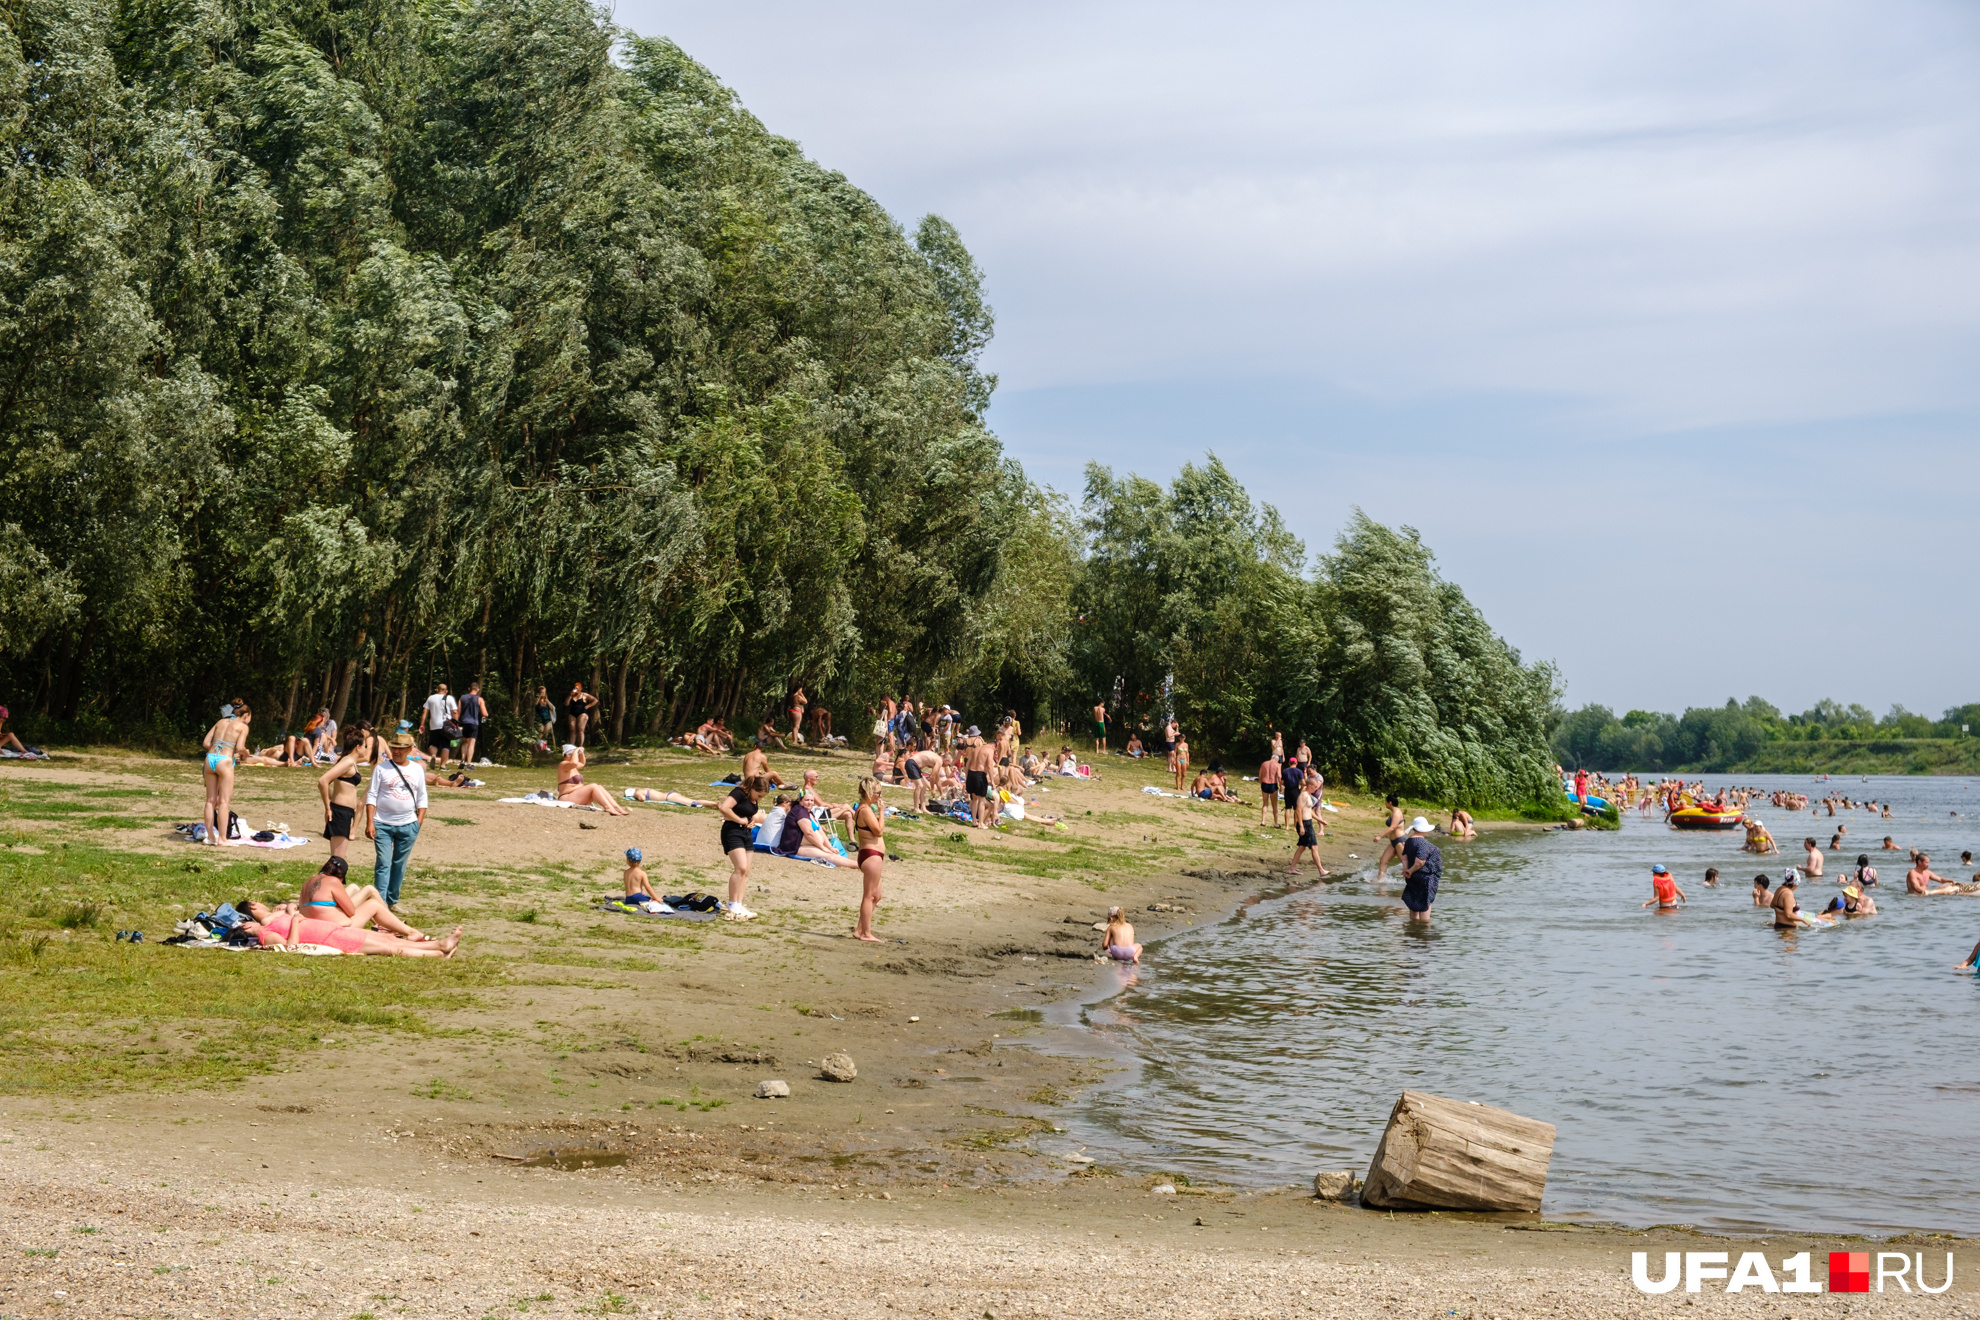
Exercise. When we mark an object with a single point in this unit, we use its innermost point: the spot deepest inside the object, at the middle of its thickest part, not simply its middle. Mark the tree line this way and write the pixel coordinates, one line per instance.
(1721, 737)
(349, 348)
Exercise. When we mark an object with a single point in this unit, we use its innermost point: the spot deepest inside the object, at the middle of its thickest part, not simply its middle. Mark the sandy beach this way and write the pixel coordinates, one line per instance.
(576, 1134)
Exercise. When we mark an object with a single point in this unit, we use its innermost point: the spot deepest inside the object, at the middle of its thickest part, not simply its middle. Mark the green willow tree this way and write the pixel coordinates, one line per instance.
(346, 348)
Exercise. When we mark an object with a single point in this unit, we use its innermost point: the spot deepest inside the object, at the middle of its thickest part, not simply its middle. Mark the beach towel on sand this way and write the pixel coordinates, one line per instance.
(544, 800)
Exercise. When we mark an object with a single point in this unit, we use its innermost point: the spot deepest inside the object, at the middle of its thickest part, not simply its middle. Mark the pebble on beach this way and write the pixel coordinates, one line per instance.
(772, 1090)
(837, 1068)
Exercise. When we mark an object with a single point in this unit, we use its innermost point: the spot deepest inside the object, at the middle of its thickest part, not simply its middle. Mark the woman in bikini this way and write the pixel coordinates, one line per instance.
(223, 743)
(668, 796)
(286, 930)
(1392, 836)
(571, 787)
(325, 897)
(870, 828)
(798, 702)
(338, 787)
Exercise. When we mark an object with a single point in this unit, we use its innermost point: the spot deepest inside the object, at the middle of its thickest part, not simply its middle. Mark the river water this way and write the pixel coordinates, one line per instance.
(1701, 1068)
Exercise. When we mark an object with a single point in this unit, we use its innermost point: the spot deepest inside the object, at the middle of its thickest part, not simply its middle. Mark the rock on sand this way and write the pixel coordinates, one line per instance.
(837, 1068)
(1340, 1186)
(773, 1090)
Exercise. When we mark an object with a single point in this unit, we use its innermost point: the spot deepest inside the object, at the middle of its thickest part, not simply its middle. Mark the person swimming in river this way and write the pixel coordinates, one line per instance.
(1762, 896)
(1921, 879)
(1787, 912)
(1711, 877)
(1118, 942)
(1666, 895)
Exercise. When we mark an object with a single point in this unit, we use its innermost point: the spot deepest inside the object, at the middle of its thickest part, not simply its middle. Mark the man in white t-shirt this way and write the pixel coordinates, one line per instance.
(394, 809)
(433, 717)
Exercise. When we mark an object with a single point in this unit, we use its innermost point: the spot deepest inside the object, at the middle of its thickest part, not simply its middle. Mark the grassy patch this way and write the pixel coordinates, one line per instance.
(82, 1014)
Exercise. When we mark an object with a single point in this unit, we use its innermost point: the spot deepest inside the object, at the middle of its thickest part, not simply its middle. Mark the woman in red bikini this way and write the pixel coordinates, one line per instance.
(870, 828)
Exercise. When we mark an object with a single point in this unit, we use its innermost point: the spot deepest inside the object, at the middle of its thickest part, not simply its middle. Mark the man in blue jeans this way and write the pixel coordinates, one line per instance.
(394, 809)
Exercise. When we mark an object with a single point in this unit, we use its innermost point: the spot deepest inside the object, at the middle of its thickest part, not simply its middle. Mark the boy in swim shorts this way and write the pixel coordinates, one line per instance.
(637, 886)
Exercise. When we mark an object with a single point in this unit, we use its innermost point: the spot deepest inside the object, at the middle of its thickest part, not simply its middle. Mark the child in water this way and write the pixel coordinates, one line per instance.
(1668, 895)
(1711, 877)
(1762, 896)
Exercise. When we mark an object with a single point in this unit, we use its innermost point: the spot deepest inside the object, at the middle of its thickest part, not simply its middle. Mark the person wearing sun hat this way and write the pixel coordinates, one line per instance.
(1667, 896)
(1423, 867)
(394, 809)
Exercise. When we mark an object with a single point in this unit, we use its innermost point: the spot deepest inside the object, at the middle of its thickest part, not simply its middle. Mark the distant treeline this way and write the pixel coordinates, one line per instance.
(347, 349)
(1755, 735)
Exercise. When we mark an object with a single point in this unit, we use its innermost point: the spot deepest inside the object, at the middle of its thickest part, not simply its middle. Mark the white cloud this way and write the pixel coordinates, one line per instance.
(1513, 231)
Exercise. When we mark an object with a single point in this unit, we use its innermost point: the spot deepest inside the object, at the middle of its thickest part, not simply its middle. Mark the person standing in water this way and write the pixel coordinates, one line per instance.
(1423, 867)
(1667, 896)
(1390, 838)
(1811, 869)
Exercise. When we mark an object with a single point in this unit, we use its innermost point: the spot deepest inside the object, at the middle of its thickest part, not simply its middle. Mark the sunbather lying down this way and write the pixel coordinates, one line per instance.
(656, 795)
(284, 930)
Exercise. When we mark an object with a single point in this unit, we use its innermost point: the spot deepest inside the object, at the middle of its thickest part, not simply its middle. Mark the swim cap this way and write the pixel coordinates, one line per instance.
(1658, 870)
(633, 854)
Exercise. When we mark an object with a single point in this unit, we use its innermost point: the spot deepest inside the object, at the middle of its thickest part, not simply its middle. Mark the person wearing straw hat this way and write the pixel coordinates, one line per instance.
(394, 809)
(1423, 867)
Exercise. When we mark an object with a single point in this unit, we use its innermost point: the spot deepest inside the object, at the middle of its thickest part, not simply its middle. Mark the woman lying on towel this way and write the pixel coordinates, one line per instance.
(571, 787)
(285, 930)
(669, 795)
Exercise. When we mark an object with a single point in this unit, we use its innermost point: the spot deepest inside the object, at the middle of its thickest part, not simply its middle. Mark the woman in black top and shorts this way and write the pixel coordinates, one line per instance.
(339, 788)
(738, 809)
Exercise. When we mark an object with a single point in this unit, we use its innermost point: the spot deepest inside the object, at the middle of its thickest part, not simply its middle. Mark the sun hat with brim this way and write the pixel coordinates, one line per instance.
(1420, 826)
(402, 740)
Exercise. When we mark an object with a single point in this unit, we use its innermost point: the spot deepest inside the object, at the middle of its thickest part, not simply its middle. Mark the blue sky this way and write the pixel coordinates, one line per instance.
(1658, 320)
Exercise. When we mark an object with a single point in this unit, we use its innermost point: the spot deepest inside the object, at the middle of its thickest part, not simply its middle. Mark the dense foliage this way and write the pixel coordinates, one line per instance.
(1386, 669)
(1719, 738)
(346, 348)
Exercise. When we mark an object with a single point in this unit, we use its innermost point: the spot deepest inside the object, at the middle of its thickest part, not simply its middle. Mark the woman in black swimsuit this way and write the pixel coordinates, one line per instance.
(577, 707)
(338, 787)
(738, 809)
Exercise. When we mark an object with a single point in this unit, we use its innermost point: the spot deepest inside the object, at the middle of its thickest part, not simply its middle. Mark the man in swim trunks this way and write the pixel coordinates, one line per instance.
(1423, 867)
(978, 762)
(1268, 791)
(1667, 895)
(1812, 868)
(1099, 727)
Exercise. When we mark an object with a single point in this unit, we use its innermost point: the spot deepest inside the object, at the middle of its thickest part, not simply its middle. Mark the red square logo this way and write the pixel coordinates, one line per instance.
(1849, 1271)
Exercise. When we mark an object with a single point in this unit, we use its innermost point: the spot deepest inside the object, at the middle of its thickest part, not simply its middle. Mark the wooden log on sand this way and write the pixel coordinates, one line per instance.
(1456, 1155)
